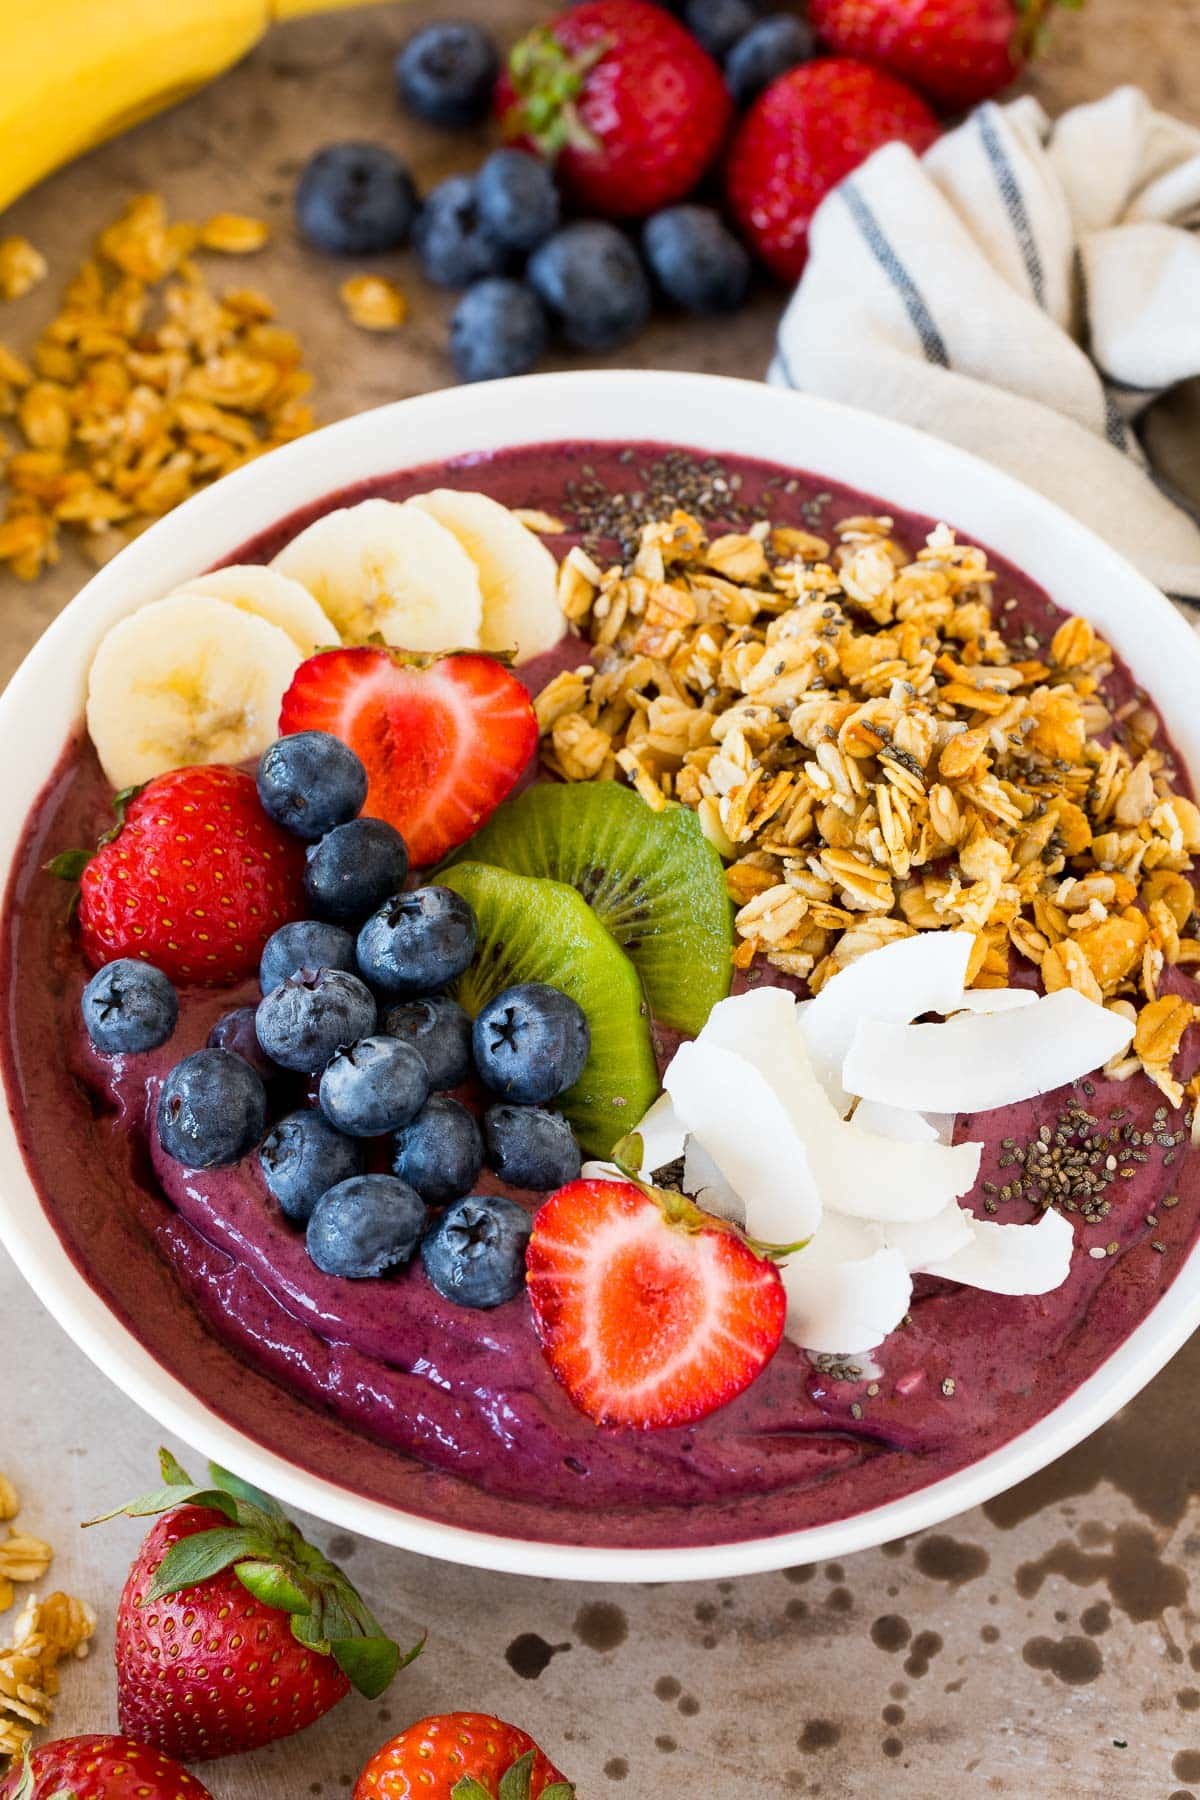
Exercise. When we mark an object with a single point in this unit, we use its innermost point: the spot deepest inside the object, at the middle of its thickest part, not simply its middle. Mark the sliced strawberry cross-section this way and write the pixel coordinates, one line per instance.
(443, 741)
(650, 1312)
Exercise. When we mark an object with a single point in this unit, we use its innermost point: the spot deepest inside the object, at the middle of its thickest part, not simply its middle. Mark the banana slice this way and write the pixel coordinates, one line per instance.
(380, 567)
(517, 573)
(273, 597)
(188, 679)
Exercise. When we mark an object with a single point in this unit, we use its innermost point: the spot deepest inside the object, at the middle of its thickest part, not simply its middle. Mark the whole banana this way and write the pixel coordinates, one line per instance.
(80, 71)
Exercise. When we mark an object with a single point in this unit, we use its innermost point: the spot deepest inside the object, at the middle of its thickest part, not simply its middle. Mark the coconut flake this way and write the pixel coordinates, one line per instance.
(1011, 1259)
(930, 1240)
(891, 1122)
(742, 1123)
(847, 1291)
(756, 1043)
(984, 1060)
(990, 1000)
(663, 1137)
(898, 982)
(704, 1183)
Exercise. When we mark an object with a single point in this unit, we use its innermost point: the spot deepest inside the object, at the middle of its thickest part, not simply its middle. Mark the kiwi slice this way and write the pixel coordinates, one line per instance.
(532, 930)
(653, 878)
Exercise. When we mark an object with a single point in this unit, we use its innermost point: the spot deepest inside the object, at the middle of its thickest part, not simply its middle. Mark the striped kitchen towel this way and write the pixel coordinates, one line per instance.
(1025, 290)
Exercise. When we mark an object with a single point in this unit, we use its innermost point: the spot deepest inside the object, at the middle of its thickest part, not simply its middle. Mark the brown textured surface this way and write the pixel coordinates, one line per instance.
(1042, 1647)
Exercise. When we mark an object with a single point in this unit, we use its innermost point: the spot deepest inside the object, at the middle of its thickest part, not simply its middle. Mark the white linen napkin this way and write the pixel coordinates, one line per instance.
(1025, 290)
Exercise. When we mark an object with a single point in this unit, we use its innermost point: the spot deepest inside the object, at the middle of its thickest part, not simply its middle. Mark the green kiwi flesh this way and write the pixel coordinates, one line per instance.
(651, 877)
(534, 930)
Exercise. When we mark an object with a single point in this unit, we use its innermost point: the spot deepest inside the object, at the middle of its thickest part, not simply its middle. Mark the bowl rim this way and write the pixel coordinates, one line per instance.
(717, 414)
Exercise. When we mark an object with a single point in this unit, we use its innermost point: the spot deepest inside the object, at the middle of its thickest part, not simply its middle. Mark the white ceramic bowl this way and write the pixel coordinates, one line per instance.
(904, 467)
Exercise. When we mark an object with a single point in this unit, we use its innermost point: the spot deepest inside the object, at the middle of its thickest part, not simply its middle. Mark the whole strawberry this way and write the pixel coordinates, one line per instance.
(461, 1756)
(622, 99)
(808, 131)
(100, 1768)
(232, 1631)
(957, 51)
(194, 878)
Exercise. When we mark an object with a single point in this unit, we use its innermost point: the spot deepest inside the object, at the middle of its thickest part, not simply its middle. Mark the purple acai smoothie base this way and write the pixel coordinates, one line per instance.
(386, 1388)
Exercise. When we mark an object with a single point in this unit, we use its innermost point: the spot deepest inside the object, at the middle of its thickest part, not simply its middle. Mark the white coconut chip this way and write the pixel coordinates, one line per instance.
(930, 1240)
(748, 1091)
(891, 1122)
(897, 982)
(1012, 1259)
(847, 1292)
(990, 1000)
(663, 1136)
(745, 1127)
(984, 1060)
(705, 1184)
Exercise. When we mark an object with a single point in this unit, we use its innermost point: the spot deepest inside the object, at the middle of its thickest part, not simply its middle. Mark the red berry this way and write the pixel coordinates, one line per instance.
(101, 1768)
(211, 1671)
(442, 745)
(801, 137)
(427, 1761)
(649, 1311)
(195, 880)
(957, 51)
(623, 99)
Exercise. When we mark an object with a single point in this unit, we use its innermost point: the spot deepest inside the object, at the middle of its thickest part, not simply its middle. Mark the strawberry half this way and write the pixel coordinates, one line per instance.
(650, 1312)
(443, 742)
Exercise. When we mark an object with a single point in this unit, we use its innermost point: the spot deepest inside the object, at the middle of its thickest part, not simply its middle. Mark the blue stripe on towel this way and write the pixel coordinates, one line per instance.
(880, 246)
(1014, 201)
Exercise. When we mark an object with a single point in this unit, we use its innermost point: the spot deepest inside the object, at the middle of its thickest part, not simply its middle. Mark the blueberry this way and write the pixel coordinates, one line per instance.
(310, 1015)
(499, 328)
(373, 1086)
(304, 944)
(589, 278)
(720, 23)
(212, 1109)
(441, 1153)
(365, 1225)
(129, 1005)
(354, 869)
(440, 1031)
(530, 1042)
(518, 199)
(310, 782)
(234, 1031)
(530, 1148)
(445, 73)
(696, 259)
(767, 50)
(354, 199)
(453, 243)
(417, 942)
(475, 1254)
(302, 1157)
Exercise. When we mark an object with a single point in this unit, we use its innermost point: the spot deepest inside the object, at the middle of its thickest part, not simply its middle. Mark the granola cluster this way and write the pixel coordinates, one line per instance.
(873, 758)
(145, 387)
(44, 1632)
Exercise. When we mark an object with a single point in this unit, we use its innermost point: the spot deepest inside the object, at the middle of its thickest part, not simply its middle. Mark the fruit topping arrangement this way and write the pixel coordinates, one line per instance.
(651, 153)
(461, 976)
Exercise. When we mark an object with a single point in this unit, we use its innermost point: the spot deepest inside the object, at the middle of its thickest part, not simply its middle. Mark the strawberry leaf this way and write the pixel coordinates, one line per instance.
(470, 1789)
(170, 1470)
(68, 865)
(274, 1585)
(369, 1664)
(25, 1787)
(162, 1500)
(244, 1490)
(559, 1790)
(515, 1781)
(200, 1557)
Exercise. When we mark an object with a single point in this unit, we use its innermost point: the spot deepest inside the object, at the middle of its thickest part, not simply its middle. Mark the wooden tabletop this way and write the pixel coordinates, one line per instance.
(1041, 1647)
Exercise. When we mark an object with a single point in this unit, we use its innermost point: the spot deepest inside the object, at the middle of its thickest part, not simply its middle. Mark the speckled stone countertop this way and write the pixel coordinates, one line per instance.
(1043, 1646)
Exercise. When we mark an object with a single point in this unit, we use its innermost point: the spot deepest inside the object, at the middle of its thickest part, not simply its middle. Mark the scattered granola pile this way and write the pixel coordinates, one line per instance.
(22, 266)
(44, 1632)
(873, 759)
(145, 387)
